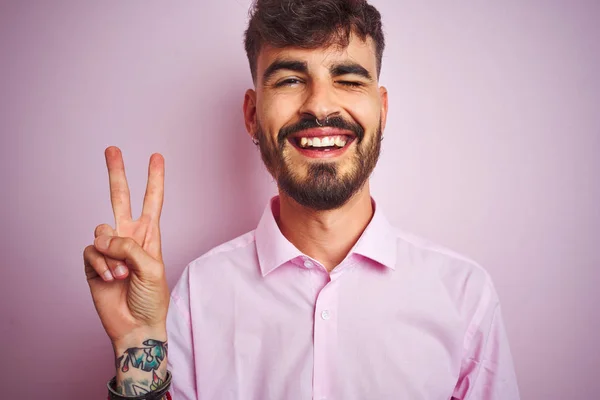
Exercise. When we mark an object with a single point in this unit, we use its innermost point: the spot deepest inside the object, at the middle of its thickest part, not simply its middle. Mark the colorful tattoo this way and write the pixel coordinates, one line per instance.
(146, 359)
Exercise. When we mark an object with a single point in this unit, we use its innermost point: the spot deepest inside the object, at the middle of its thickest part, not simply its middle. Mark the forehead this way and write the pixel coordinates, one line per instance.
(357, 51)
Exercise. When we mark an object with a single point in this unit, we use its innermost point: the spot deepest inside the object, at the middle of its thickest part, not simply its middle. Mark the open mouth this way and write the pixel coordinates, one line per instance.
(322, 143)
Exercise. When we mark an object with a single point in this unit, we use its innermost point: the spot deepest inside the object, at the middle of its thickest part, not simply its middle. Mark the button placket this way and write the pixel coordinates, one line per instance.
(325, 341)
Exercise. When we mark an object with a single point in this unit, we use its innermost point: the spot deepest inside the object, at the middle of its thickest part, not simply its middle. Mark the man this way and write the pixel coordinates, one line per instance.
(324, 299)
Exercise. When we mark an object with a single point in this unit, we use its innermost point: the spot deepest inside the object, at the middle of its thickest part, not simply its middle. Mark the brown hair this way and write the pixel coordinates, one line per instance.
(311, 24)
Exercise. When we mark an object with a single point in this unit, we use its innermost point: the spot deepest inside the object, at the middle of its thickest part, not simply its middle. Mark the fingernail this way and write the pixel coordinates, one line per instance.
(102, 242)
(120, 270)
(107, 275)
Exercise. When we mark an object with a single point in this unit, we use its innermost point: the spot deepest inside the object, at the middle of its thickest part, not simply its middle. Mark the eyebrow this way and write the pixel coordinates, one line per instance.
(345, 68)
(349, 68)
(277, 65)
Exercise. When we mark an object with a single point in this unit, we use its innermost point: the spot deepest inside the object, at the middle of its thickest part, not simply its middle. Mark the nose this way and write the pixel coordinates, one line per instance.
(320, 102)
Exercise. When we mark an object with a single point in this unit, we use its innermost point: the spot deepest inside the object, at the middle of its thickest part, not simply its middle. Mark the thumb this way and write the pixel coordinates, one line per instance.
(124, 248)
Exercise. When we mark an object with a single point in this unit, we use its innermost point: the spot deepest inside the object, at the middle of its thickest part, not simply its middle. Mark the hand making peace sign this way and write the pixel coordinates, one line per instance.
(124, 266)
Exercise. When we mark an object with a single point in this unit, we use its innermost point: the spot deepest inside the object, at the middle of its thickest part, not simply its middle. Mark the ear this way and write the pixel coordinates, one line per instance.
(383, 95)
(250, 112)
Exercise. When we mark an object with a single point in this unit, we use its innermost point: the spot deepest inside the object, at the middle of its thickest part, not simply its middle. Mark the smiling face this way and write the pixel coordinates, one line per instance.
(318, 115)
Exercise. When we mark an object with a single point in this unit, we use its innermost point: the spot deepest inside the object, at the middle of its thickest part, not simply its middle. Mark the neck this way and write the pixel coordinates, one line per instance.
(326, 236)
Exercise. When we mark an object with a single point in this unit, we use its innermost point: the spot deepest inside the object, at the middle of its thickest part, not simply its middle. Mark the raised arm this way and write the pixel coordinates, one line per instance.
(126, 276)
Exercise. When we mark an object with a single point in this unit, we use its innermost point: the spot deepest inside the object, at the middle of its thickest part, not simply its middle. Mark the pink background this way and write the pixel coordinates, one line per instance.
(491, 149)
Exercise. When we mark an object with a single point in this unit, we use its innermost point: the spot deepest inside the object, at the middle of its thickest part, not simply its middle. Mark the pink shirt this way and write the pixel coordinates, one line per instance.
(399, 318)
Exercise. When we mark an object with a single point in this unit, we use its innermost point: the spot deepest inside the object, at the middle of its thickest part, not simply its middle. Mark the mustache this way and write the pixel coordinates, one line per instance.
(309, 123)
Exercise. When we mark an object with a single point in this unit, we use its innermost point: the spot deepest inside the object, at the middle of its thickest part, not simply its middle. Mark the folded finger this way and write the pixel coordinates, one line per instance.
(104, 229)
(123, 248)
(117, 268)
(95, 265)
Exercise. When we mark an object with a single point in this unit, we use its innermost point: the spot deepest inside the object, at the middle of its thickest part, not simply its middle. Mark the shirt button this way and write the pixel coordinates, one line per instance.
(308, 264)
(325, 314)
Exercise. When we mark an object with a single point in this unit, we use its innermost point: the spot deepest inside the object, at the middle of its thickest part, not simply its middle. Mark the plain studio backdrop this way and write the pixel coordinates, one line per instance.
(491, 149)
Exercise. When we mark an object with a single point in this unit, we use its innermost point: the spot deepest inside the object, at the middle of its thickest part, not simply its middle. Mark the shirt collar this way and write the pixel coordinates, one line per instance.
(378, 241)
(272, 247)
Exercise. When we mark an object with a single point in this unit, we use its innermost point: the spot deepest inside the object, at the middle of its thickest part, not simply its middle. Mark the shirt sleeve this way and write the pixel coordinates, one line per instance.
(181, 350)
(487, 370)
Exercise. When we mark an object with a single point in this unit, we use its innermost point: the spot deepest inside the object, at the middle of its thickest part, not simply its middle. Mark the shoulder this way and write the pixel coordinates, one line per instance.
(239, 245)
(432, 253)
(465, 281)
(218, 263)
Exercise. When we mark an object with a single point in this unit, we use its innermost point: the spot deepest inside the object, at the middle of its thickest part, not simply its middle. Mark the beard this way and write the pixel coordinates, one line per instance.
(324, 187)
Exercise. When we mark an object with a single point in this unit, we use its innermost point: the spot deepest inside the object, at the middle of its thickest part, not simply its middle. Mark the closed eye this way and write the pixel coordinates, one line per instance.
(351, 83)
(288, 82)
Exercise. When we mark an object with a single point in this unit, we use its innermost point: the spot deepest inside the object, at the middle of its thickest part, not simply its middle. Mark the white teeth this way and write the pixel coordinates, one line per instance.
(326, 141)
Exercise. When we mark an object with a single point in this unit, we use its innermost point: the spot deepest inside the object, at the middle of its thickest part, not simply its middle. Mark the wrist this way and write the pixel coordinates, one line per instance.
(141, 363)
(136, 338)
(161, 393)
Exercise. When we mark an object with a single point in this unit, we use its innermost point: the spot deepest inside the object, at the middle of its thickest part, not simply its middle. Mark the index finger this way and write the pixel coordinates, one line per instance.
(155, 188)
(119, 190)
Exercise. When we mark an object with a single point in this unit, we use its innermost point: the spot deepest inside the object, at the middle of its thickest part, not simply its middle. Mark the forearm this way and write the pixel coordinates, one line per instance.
(141, 364)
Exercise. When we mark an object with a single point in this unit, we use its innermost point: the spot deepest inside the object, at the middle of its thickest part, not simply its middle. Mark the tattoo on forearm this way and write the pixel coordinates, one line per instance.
(146, 359)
